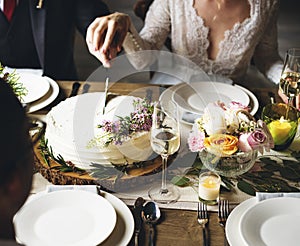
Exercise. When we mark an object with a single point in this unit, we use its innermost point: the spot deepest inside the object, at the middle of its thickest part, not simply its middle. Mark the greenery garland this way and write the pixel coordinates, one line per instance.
(274, 174)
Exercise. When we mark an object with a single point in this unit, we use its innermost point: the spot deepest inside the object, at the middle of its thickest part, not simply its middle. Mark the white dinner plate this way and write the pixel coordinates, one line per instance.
(233, 234)
(36, 86)
(185, 117)
(194, 97)
(67, 217)
(273, 222)
(50, 96)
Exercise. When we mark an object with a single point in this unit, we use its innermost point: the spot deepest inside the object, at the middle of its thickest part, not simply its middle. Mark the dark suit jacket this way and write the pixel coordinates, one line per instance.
(53, 28)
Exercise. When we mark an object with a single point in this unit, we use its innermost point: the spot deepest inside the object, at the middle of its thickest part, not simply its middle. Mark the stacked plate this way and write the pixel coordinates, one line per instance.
(74, 217)
(274, 221)
(192, 98)
(41, 90)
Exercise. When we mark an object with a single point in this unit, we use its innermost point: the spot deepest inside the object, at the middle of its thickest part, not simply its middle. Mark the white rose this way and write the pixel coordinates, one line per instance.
(214, 119)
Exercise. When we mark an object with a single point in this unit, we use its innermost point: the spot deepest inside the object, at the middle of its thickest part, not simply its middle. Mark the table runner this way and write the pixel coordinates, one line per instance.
(189, 198)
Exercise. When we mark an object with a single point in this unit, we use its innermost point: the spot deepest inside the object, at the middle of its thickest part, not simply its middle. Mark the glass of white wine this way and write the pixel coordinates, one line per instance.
(290, 77)
(165, 141)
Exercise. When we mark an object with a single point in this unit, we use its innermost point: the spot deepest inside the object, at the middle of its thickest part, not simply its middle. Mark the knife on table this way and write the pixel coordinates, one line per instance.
(75, 88)
(137, 210)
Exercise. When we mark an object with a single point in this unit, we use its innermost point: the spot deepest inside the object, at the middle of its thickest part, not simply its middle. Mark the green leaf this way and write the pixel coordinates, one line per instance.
(180, 181)
(246, 187)
(268, 160)
(289, 173)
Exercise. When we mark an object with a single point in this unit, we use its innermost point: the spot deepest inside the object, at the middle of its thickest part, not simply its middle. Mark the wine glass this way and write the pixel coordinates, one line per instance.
(290, 77)
(165, 141)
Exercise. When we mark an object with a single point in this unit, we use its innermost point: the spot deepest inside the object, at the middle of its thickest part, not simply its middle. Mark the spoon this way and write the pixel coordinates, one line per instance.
(150, 215)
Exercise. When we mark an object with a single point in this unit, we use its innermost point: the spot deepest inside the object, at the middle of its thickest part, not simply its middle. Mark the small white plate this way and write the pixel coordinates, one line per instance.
(50, 96)
(67, 217)
(273, 222)
(194, 97)
(36, 86)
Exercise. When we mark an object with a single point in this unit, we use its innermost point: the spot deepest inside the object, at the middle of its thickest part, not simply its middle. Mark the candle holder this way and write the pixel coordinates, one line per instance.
(282, 121)
(209, 188)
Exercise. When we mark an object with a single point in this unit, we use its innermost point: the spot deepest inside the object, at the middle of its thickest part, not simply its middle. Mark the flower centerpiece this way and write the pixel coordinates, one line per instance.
(228, 138)
(126, 139)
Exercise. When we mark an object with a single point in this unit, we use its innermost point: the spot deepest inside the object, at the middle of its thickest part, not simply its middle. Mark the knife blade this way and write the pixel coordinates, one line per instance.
(105, 92)
(137, 210)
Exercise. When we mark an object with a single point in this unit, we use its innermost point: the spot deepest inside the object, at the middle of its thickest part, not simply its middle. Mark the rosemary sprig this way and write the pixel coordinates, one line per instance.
(13, 80)
(64, 166)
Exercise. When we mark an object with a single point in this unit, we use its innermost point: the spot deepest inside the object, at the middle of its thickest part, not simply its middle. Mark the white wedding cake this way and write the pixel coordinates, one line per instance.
(72, 132)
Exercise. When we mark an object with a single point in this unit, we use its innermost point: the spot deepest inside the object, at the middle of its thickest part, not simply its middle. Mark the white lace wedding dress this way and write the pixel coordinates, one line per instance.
(255, 37)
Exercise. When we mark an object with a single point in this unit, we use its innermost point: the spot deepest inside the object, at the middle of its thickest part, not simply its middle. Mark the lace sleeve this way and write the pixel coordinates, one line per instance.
(266, 56)
(152, 36)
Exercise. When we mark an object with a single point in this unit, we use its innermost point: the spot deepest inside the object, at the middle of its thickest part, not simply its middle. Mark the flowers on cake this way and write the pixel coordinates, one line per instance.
(225, 130)
(118, 131)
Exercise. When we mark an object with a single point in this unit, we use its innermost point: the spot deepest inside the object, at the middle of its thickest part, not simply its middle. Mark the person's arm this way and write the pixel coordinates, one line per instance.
(266, 56)
(106, 35)
(152, 36)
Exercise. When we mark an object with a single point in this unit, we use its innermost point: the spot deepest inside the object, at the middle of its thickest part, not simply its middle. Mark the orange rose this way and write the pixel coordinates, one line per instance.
(221, 144)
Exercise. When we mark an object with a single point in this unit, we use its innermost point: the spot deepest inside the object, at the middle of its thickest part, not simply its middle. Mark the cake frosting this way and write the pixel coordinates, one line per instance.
(72, 131)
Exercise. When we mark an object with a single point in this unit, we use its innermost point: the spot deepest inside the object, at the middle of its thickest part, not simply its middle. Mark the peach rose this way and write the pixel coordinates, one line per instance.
(221, 144)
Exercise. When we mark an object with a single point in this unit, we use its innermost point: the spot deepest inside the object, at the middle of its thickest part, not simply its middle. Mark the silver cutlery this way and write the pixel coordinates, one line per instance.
(75, 88)
(151, 214)
(223, 213)
(202, 217)
(137, 215)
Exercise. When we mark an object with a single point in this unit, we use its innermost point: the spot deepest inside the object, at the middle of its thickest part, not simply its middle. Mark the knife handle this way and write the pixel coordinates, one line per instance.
(75, 88)
(151, 235)
(136, 238)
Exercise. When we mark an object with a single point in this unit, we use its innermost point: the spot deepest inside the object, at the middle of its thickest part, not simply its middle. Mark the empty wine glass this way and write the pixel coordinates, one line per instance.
(165, 141)
(290, 77)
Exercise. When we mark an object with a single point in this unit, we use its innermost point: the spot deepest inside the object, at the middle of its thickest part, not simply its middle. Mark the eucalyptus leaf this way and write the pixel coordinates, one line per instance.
(289, 173)
(246, 187)
(268, 160)
(180, 181)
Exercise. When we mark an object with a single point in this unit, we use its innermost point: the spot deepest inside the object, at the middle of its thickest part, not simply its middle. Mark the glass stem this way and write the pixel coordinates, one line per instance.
(164, 189)
(290, 103)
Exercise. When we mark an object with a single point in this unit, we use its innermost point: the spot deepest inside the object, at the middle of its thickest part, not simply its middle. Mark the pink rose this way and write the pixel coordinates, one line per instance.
(237, 106)
(256, 140)
(269, 142)
(243, 144)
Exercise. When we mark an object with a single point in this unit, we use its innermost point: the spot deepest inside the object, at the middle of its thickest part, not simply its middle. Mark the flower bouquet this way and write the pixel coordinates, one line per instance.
(228, 139)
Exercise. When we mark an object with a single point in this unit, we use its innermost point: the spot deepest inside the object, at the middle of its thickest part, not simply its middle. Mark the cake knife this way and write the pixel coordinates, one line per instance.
(105, 91)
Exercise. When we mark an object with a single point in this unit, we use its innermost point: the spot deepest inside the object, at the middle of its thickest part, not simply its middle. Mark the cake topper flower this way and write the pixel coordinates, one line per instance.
(224, 131)
(139, 120)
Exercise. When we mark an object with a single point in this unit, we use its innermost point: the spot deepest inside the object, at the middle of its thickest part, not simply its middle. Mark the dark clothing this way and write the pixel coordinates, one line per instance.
(44, 38)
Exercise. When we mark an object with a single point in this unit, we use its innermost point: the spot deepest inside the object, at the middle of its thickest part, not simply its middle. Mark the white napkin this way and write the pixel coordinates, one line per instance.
(267, 195)
(89, 188)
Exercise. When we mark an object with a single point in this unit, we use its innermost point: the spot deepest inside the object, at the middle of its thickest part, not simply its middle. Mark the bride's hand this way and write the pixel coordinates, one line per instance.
(105, 36)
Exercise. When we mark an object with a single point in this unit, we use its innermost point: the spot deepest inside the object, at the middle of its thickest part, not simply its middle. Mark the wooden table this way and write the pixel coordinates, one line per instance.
(176, 227)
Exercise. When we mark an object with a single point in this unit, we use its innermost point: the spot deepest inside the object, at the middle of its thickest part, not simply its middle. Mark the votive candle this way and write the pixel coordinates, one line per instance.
(209, 187)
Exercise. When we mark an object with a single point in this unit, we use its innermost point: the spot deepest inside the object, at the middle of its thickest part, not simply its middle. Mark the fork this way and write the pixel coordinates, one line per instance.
(202, 218)
(223, 212)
